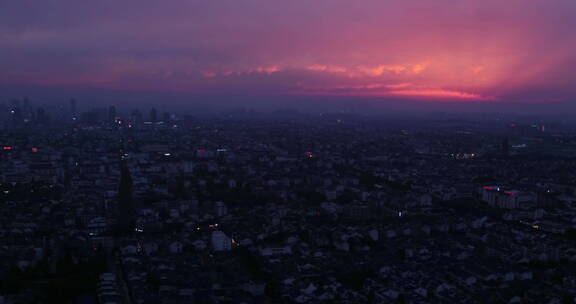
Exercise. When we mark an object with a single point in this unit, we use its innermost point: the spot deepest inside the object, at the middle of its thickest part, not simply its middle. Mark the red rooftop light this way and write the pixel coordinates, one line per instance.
(7, 148)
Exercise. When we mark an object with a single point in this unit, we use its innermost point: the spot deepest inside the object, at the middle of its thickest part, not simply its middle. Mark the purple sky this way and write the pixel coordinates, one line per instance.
(431, 50)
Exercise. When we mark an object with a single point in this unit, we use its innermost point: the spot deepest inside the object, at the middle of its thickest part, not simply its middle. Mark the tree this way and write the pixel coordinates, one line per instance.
(126, 210)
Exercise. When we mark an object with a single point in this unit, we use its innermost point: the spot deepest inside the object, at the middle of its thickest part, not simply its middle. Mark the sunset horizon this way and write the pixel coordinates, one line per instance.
(469, 51)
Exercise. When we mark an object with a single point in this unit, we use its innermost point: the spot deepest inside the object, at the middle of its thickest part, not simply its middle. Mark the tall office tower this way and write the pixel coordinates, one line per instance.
(62, 112)
(26, 110)
(136, 117)
(166, 117)
(73, 113)
(15, 103)
(111, 114)
(153, 116)
(41, 116)
(16, 117)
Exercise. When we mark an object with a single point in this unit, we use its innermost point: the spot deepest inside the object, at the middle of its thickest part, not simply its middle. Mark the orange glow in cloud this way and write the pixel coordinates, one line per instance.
(257, 70)
(381, 69)
(401, 90)
(477, 69)
(428, 79)
(265, 69)
(438, 94)
(417, 69)
(370, 71)
(327, 68)
(398, 85)
(208, 74)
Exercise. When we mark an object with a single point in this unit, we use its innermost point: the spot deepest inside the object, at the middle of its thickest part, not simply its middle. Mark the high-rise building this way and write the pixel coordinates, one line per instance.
(136, 118)
(16, 104)
(63, 112)
(16, 117)
(111, 114)
(26, 110)
(221, 209)
(73, 113)
(41, 116)
(153, 115)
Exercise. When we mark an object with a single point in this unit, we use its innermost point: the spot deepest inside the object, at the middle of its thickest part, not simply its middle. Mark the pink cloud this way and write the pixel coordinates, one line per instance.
(514, 50)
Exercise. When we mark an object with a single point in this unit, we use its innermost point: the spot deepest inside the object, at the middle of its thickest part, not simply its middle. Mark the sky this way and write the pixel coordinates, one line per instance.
(429, 51)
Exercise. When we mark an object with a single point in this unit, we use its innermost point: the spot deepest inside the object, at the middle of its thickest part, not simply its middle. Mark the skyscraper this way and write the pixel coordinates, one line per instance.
(136, 117)
(16, 117)
(73, 113)
(153, 115)
(41, 116)
(26, 110)
(111, 114)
